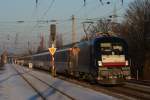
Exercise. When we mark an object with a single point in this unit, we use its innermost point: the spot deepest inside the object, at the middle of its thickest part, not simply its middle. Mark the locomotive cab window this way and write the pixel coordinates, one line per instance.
(106, 48)
(111, 49)
(117, 49)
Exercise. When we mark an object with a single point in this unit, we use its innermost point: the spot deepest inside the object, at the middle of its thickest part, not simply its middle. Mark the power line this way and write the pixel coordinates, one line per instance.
(50, 6)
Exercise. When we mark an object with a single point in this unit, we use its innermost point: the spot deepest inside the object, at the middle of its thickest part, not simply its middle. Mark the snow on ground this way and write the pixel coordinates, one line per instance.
(13, 87)
(76, 91)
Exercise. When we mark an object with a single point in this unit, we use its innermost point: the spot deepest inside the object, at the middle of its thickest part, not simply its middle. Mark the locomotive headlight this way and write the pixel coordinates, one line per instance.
(127, 63)
(99, 63)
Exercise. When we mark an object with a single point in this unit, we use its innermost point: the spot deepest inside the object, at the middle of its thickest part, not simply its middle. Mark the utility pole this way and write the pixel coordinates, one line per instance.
(16, 41)
(114, 18)
(52, 35)
(52, 50)
(73, 30)
(28, 44)
(42, 42)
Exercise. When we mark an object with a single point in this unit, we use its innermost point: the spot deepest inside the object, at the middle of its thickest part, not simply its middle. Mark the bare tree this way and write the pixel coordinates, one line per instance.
(41, 46)
(135, 33)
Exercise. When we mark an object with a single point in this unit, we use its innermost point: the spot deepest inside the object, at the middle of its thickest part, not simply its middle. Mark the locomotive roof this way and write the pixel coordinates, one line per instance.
(112, 38)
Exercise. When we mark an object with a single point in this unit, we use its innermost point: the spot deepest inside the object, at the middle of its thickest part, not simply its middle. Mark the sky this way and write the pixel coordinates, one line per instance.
(24, 20)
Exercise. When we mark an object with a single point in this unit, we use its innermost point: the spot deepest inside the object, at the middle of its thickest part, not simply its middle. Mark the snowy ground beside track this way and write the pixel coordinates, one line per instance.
(13, 87)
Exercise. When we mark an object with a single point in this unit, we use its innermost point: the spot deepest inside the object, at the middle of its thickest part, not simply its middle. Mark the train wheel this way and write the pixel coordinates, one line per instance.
(80, 76)
(77, 75)
(86, 77)
(91, 79)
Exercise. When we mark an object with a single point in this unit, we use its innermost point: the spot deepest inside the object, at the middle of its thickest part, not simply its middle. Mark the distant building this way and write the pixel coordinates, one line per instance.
(4, 57)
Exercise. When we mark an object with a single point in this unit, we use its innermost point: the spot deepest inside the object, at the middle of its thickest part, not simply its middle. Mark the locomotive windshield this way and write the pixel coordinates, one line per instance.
(111, 48)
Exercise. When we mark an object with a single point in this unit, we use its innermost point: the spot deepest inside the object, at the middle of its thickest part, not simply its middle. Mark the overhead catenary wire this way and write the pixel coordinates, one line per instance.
(37, 21)
(50, 6)
(42, 16)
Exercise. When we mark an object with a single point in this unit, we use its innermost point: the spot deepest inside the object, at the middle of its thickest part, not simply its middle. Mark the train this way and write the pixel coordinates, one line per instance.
(103, 59)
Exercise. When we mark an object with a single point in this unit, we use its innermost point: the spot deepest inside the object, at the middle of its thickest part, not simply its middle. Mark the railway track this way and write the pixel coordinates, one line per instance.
(136, 89)
(129, 91)
(30, 84)
(40, 94)
(99, 88)
(140, 82)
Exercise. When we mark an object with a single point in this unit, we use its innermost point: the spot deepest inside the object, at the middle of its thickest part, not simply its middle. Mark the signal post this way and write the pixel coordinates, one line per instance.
(52, 50)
